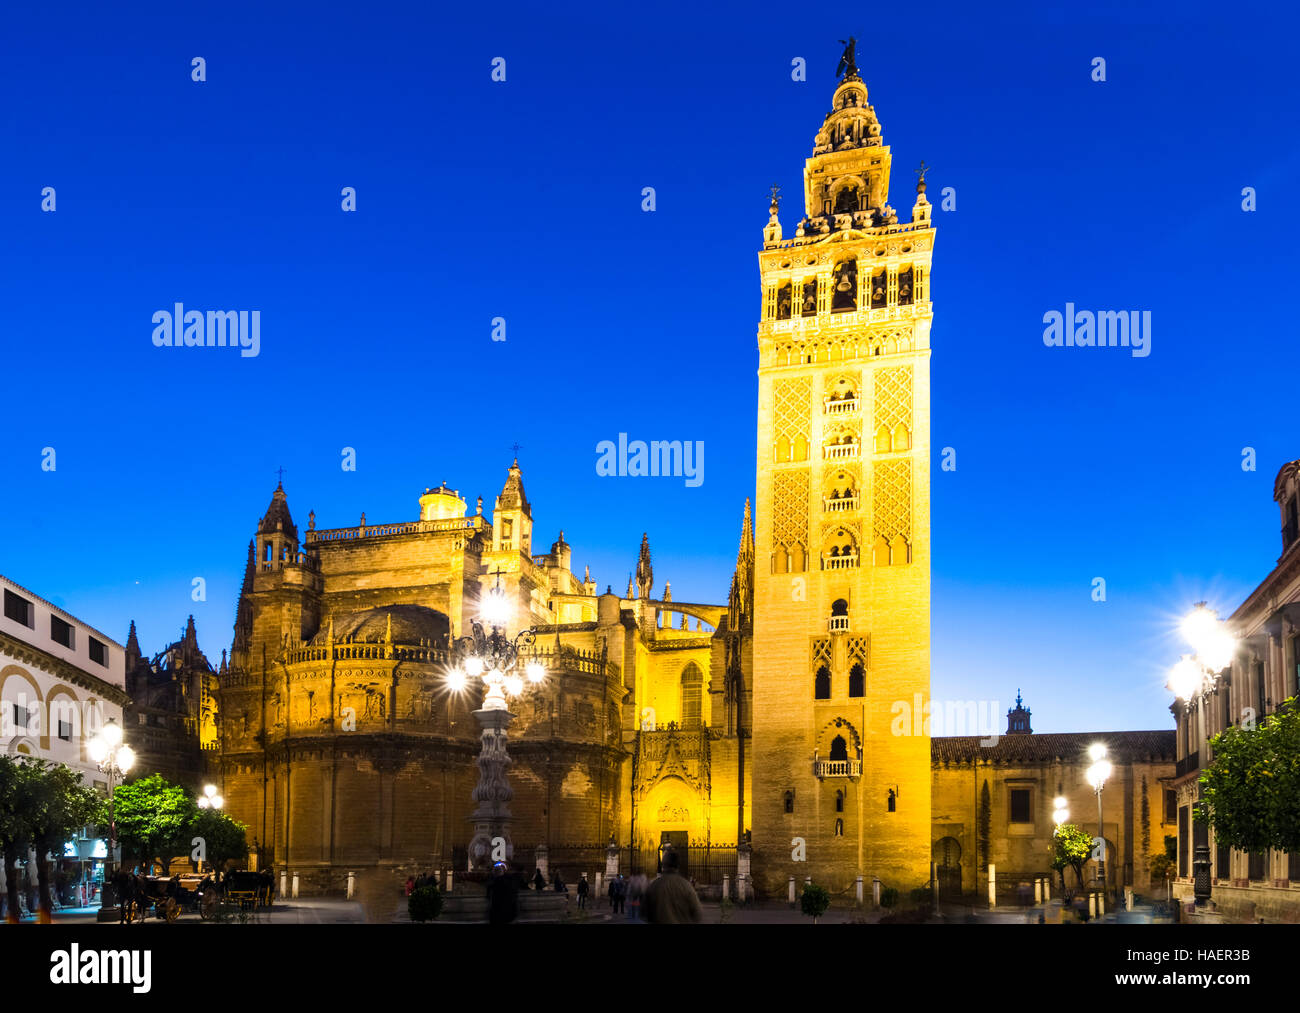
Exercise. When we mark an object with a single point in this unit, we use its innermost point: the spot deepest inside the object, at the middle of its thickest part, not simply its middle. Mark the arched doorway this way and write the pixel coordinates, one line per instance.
(946, 855)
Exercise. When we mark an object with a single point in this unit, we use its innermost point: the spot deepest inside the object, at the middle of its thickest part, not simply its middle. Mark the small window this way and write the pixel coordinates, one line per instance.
(98, 652)
(839, 801)
(789, 801)
(19, 609)
(1171, 806)
(892, 801)
(142, 718)
(1020, 806)
(21, 716)
(65, 730)
(62, 632)
(822, 684)
(857, 680)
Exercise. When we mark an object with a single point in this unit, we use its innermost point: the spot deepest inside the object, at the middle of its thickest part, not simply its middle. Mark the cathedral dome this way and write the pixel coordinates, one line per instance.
(411, 624)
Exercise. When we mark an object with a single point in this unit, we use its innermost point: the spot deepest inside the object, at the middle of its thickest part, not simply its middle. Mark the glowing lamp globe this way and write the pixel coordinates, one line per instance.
(97, 749)
(473, 666)
(456, 680)
(1185, 679)
(536, 671)
(514, 685)
(112, 733)
(125, 759)
(204, 801)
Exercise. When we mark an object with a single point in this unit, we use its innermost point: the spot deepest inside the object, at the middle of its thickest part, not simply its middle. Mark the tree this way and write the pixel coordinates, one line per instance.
(1146, 818)
(224, 838)
(984, 828)
(1073, 847)
(153, 817)
(16, 791)
(1250, 792)
(61, 803)
(814, 901)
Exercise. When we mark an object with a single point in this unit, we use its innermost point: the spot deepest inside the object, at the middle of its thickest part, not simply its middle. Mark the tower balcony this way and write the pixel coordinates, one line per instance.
(841, 503)
(841, 406)
(837, 768)
(840, 451)
(838, 624)
(846, 561)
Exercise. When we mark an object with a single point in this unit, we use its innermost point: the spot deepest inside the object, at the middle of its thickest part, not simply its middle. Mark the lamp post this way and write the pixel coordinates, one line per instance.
(1192, 680)
(1097, 774)
(494, 658)
(114, 759)
(1059, 815)
(210, 800)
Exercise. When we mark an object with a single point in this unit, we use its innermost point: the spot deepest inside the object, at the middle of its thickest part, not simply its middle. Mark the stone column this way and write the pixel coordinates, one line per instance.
(491, 817)
(743, 855)
(611, 860)
(993, 886)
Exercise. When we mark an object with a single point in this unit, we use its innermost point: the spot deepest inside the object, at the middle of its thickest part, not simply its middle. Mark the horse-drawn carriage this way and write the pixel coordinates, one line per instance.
(166, 897)
(249, 889)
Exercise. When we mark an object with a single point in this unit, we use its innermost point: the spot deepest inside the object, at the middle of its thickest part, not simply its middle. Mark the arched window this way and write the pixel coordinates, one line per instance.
(840, 607)
(782, 449)
(266, 552)
(846, 201)
(780, 562)
(797, 559)
(878, 290)
(905, 287)
(882, 439)
(692, 693)
(839, 801)
(839, 748)
(789, 801)
(822, 684)
(857, 680)
(808, 304)
(902, 438)
(839, 827)
(783, 302)
(844, 293)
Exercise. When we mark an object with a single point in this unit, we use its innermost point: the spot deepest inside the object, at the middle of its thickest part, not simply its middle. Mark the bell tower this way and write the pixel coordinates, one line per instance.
(842, 526)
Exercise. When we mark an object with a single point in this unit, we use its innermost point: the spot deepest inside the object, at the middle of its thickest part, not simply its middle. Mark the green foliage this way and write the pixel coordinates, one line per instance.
(62, 804)
(1171, 847)
(984, 826)
(889, 896)
(1161, 866)
(1071, 846)
(919, 895)
(225, 839)
(1251, 790)
(814, 901)
(424, 904)
(154, 818)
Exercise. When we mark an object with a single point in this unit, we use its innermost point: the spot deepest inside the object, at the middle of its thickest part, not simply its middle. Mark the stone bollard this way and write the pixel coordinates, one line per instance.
(284, 883)
(726, 885)
(1101, 903)
(993, 885)
(875, 892)
(599, 892)
(1092, 903)
(295, 886)
(1128, 898)
(857, 890)
(449, 881)
(1038, 889)
(352, 884)
(792, 891)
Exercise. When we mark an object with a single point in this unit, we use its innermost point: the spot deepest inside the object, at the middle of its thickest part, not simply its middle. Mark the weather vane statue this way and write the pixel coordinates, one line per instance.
(848, 67)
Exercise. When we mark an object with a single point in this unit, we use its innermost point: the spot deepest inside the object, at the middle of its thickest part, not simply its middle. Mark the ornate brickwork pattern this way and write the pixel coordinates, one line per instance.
(792, 399)
(790, 508)
(893, 402)
(891, 499)
(821, 652)
(858, 649)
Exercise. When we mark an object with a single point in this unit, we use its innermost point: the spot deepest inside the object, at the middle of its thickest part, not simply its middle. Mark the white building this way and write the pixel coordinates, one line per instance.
(1265, 671)
(60, 681)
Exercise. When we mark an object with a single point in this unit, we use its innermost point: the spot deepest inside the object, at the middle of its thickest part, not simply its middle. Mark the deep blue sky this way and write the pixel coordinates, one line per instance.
(522, 200)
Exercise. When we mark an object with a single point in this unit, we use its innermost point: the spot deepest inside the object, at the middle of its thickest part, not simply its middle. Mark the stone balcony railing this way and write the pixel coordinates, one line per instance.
(838, 624)
(357, 651)
(837, 768)
(842, 406)
(475, 523)
(840, 451)
(846, 561)
(840, 503)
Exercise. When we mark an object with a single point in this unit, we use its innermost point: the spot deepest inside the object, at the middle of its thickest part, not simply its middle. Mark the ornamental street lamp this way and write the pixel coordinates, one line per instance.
(210, 799)
(1059, 813)
(1192, 680)
(115, 760)
(495, 659)
(1097, 775)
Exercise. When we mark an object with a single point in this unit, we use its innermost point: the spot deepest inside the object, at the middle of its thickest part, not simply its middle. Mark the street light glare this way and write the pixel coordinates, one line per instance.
(210, 790)
(125, 759)
(456, 680)
(514, 685)
(473, 666)
(536, 671)
(1096, 751)
(112, 733)
(1184, 679)
(98, 749)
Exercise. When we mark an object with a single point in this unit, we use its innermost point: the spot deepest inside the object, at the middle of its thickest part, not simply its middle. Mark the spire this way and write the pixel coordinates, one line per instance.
(512, 495)
(191, 638)
(132, 644)
(631, 591)
(277, 517)
(745, 554)
(243, 611)
(668, 590)
(1018, 718)
(645, 575)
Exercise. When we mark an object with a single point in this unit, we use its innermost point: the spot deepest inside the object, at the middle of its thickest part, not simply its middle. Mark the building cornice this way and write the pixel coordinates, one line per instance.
(63, 670)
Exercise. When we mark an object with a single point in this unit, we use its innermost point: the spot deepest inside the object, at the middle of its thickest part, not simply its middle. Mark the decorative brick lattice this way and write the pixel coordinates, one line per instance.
(791, 399)
(790, 508)
(893, 403)
(891, 499)
(821, 652)
(858, 649)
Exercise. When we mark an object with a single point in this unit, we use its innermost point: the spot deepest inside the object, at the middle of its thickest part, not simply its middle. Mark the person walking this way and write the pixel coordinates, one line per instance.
(671, 899)
(539, 881)
(635, 891)
(583, 888)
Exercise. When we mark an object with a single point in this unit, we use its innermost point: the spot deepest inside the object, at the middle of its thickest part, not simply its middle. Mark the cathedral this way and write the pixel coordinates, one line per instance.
(762, 726)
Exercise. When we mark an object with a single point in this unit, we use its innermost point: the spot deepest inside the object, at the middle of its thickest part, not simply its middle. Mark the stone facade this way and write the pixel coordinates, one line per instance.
(842, 613)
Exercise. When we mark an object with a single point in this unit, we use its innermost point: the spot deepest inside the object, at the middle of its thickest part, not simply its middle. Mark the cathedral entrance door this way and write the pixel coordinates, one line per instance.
(678, 841)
